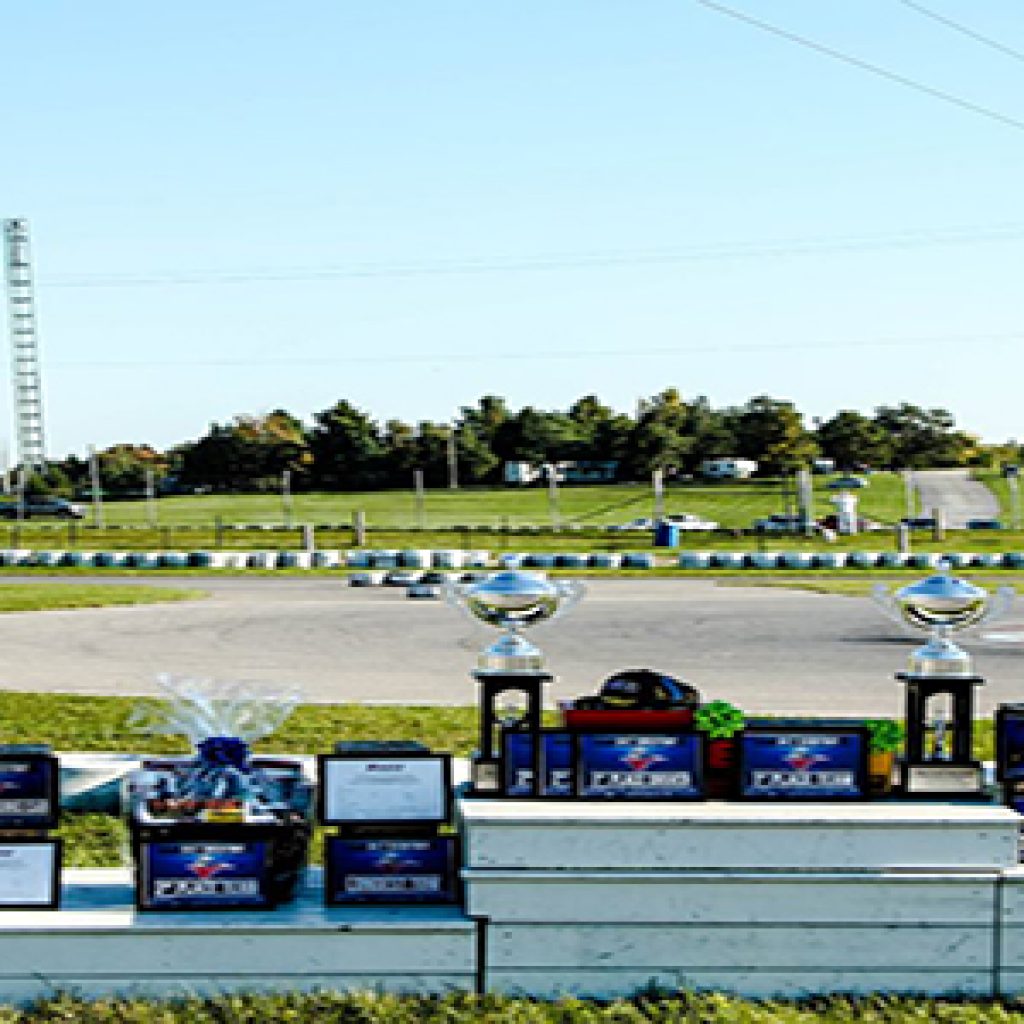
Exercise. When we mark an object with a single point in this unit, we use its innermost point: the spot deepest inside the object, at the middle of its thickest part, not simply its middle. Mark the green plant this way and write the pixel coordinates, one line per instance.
(885, 735)
(719, 719)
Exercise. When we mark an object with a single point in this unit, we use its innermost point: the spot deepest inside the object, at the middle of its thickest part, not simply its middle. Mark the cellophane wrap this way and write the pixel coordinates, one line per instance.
(220, 719)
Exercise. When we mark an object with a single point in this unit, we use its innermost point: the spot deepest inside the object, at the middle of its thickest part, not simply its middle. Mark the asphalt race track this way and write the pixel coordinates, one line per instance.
(766, 650)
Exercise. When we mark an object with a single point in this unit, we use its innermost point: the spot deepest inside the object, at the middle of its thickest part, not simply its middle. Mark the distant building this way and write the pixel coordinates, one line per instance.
(728, 469)
(588, 471)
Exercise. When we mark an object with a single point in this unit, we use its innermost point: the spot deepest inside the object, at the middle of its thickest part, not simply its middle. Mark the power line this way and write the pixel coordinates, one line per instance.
(437, 358)
(956, 26)
(863, 65)
(908, 239)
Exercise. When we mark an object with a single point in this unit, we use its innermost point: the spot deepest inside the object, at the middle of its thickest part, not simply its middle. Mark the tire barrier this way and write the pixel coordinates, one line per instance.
(455, 559)
(864, 559)
(797, 560)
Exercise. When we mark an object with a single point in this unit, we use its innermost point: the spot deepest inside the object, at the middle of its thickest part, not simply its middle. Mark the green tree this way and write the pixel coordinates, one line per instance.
(249, 453)
(772, 432)
(346, 448)
(922, 437)
(661, 437)
(852, 439)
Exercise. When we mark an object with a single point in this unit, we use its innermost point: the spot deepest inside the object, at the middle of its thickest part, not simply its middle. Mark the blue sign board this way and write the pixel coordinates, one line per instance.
(517, 764)
(384, 870)
(28, 791)
(1010, 742)
(662, 766)
(803, 763)
(190, 875)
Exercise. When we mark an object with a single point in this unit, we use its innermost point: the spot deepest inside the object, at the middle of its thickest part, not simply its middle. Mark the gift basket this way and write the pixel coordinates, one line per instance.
(221, 829)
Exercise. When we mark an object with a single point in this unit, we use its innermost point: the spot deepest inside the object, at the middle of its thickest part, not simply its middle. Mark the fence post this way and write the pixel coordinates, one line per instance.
(218, 532)
(359, 528)
(309, 537)
(903, 538)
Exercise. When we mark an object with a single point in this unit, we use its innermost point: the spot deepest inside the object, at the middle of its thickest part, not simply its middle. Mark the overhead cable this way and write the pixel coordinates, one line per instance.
(863, 65)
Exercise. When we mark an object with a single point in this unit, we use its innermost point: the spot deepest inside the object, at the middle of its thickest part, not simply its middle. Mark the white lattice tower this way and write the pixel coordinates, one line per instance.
(26, 381)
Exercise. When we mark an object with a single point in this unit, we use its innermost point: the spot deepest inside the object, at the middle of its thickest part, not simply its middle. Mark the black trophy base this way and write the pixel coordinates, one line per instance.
(942, 780)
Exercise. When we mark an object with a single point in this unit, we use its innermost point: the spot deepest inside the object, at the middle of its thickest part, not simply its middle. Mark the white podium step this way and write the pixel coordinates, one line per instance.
(574, 835)
(604, 900)
(99, 945)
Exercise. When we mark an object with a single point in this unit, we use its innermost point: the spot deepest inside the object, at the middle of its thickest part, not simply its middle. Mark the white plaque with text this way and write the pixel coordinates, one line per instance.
(384, 789)
(29, 875)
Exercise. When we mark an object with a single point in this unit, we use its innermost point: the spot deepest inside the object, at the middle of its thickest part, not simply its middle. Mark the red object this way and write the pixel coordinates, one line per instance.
(628, 721)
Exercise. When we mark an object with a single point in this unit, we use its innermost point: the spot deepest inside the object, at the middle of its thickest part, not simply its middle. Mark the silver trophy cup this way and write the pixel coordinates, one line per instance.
(512, 602)
(942, 604)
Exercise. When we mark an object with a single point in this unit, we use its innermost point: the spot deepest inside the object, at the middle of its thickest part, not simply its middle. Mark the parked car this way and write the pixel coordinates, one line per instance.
(691, 522)
(919, 522)
(779, 524)
(58, 508)
(984, 524)
(635, 524)
(847, 483)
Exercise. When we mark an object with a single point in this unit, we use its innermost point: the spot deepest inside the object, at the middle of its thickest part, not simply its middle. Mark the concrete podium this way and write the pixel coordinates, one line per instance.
(600, 899)
(604, 899)
(99, 945)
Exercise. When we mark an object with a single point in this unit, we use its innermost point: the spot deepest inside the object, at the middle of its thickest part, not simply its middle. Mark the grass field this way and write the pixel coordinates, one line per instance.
(37, 597)
(733, 504)
(499, 519)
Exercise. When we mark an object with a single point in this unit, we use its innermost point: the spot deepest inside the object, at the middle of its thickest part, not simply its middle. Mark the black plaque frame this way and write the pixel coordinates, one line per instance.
(57, 846)
(201, 835)
(698, 768)
(452, 862)
(27, 821)
(539, 791)
(1004, 772)
(802, 726)
(386, 755)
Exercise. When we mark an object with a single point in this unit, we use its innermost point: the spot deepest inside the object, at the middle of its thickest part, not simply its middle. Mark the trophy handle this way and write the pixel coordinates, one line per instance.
(998, 606)
(882, 597)
(572, 592)
(454, 592)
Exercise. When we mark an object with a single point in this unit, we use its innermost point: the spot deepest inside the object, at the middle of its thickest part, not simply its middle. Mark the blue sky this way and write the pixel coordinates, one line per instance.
(239, 206)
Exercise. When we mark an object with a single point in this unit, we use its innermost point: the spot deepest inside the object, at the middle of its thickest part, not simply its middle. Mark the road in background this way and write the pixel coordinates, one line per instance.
(766, 650)
(960, 497)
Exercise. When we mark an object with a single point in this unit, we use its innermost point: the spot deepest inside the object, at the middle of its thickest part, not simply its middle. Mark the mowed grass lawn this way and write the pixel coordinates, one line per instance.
(734, 505)
(38, 597)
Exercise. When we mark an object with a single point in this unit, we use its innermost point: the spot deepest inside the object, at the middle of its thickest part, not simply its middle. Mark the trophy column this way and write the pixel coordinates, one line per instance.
(486, 765)
(938, 765)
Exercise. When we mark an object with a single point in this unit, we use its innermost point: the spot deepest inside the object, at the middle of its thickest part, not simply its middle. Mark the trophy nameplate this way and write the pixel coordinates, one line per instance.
(485, 775)
(935, 779)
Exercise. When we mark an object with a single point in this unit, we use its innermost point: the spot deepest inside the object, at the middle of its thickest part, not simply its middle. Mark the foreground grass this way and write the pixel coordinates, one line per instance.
(37, 597)
(378, 1008)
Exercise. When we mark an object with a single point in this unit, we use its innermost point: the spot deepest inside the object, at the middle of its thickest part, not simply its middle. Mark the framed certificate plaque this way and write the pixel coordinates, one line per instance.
(389, 787)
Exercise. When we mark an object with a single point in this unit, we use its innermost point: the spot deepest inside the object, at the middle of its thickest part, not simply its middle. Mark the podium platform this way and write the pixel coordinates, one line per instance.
(97, 944)
(765, 900)
(594, 899)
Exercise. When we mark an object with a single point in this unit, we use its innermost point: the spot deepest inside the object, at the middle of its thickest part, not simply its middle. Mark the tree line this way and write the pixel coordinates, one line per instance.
(345, 448)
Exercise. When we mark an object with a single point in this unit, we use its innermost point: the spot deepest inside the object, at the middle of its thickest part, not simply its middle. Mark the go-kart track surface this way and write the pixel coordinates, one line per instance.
(778, 651)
